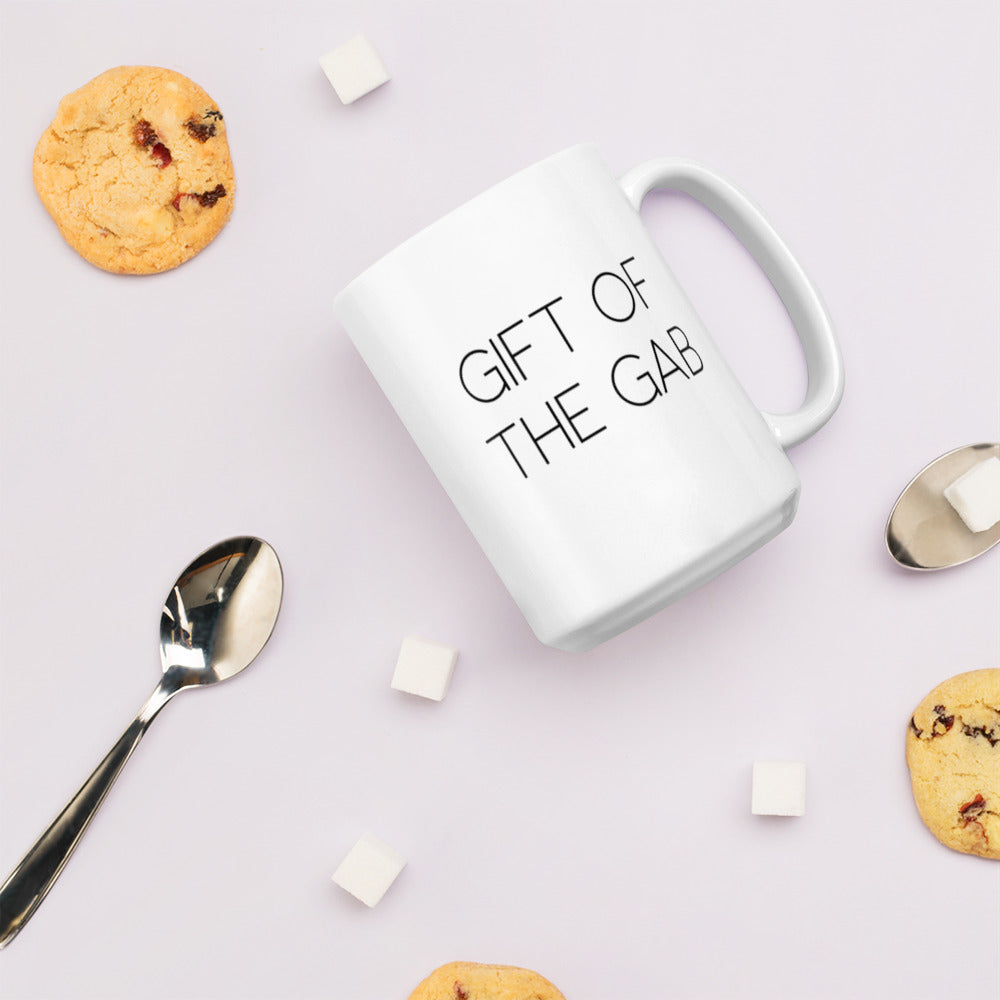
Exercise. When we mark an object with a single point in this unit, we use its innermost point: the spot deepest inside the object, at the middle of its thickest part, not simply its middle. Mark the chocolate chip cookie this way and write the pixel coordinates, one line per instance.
(135, 170)
(473, 981)
(953, 752)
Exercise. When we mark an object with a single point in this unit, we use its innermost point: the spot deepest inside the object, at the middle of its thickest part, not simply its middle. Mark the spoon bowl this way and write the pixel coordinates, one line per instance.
(924, 531)
(221, 611)
(216, 619)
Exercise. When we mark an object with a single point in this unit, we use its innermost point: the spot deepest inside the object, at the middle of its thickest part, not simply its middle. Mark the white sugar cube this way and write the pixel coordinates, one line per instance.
(354, 69)
(976, 495)
(424, 668)
(369, 869)
(779, 788)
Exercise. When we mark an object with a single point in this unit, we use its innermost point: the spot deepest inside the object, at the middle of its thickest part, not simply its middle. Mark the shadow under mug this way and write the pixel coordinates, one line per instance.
(559, 383)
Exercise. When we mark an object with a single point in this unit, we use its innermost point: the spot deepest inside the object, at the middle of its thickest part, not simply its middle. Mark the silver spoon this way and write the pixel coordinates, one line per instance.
(924, 530)
(215, 621)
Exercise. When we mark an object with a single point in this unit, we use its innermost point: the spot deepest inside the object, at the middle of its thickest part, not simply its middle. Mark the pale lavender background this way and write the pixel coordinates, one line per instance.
(584, 815)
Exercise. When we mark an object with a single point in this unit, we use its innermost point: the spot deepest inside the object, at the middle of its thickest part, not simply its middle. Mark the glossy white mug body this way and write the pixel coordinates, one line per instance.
(559, 383)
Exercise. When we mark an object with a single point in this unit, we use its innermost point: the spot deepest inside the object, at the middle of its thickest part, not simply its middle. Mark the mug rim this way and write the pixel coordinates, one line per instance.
(490, 191)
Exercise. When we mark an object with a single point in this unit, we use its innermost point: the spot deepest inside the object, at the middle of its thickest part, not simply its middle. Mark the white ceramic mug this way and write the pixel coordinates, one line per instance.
(565, 393)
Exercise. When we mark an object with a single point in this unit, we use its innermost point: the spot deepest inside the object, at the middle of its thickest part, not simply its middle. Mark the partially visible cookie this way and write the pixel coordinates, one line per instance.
(473, 981)
(953, 752)
(135, 170)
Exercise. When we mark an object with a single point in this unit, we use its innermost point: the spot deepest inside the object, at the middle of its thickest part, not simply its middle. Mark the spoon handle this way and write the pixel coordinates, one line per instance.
(30, 881)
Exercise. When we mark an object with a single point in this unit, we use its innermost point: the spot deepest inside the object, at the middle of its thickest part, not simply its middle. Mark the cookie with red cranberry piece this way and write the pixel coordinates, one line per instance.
(953, 752)
(135, 170)
(473, 981)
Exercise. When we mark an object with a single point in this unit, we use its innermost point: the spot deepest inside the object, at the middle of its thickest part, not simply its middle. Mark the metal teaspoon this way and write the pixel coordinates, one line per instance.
(924, 530)
(215, 621)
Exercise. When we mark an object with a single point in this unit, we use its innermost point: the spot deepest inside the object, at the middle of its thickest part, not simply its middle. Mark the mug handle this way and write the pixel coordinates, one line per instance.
(824, 365)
